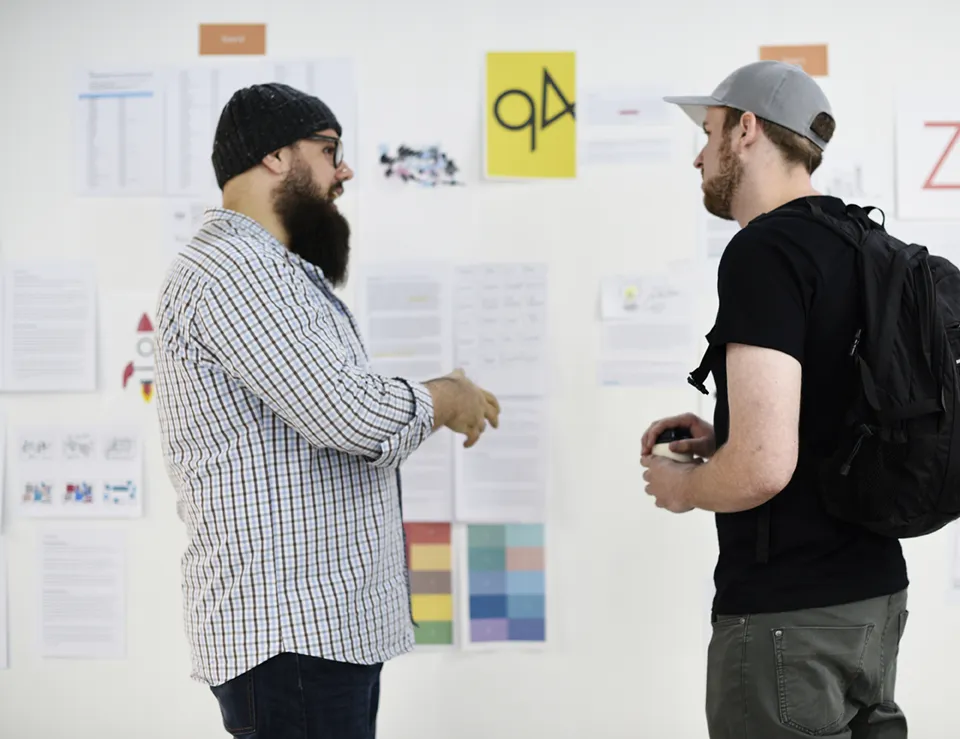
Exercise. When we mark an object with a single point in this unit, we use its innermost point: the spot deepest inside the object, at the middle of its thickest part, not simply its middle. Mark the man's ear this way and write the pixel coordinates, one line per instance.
(274, 162)
(749, 130)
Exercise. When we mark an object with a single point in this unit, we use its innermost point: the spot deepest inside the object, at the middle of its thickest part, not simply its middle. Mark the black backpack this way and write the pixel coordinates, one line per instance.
(896, 470)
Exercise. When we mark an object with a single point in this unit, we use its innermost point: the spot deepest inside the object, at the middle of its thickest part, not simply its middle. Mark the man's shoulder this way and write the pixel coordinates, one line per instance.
(793, 238)
(221, 245)
(218, 255)
(796, 224)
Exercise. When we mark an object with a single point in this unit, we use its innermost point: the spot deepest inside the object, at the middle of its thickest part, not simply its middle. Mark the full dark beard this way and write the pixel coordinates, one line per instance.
(316, 231)
(719, 190)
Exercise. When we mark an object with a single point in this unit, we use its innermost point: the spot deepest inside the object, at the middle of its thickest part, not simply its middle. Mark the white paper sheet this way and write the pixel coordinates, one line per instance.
(503, 478)
(647, 336)
(623, 150)
(184, 218)
(404, 314)
(427, 480)
(4, 608)
(119, 133)
(198, 94)
(928, 156)
(500, 327)
(847, 178)
(623, 105)
(88, 471)
(715, 234)
(82, 593)
(3, 466)
(49, 328)
(622, 125)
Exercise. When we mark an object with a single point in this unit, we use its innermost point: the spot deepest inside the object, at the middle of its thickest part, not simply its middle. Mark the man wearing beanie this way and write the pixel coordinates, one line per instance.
(809, 609)
(283, 446)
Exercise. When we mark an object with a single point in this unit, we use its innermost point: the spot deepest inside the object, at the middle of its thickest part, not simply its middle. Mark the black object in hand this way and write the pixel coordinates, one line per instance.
(677, 433)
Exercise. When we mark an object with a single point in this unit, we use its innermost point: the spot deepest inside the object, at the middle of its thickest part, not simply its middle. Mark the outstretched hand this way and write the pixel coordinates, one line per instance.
(463, 407)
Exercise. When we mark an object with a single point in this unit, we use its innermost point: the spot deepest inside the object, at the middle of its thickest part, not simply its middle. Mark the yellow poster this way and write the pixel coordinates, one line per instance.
(531, 127)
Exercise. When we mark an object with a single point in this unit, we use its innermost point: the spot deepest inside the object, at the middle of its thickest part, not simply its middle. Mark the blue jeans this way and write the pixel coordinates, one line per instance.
(292, 696)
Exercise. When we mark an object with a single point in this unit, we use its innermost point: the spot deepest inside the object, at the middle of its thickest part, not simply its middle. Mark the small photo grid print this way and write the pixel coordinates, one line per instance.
(507, 584)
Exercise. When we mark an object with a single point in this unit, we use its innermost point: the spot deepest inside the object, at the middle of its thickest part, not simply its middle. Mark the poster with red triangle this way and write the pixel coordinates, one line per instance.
(128, 328)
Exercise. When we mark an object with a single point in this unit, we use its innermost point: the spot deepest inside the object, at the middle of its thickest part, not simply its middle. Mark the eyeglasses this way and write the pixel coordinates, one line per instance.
(337, 153)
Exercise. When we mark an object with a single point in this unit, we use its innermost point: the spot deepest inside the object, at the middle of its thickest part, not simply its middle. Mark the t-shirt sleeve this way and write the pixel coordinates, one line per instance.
(761, 296)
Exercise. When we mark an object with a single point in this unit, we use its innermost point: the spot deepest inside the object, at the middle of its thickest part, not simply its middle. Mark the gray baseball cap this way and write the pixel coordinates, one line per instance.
(776, 91)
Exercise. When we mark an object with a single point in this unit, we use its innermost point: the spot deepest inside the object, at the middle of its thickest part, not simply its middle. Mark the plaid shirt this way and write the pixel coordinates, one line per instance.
(284, 451)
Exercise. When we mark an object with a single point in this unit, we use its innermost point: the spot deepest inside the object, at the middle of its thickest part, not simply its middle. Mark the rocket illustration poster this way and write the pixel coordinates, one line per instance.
(128, 323)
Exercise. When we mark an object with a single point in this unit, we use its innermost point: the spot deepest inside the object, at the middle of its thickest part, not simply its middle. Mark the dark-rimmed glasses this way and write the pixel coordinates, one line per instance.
(338, 152)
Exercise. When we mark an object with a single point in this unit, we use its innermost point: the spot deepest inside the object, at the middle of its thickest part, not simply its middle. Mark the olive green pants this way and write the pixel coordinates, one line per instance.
(818, 672)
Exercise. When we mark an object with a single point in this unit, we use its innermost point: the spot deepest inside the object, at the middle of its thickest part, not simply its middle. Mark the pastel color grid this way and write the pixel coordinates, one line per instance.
(507, 583)
(431, 578)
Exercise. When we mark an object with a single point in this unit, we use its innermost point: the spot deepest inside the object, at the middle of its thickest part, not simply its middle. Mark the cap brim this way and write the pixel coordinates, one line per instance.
(695, 106)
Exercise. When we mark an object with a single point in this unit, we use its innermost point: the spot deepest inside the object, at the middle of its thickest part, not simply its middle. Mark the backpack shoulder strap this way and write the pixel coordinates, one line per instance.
(852, 232)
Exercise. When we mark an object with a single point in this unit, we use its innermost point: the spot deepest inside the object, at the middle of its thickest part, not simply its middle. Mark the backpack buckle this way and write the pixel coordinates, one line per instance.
(697, 384)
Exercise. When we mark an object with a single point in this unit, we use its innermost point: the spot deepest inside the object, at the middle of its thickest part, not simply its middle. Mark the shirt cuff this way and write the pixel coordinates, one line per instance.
(402, 444)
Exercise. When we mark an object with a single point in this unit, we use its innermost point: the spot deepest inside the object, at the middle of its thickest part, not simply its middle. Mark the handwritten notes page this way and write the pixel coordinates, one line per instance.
(647, 336)
(500, 326)
(500, 330)
(92, 471)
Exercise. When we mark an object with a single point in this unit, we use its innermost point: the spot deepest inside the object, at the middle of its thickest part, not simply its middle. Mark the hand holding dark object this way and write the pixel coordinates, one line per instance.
(700, 441)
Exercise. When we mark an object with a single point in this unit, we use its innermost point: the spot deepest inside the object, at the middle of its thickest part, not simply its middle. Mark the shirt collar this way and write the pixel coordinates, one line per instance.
(255, 229)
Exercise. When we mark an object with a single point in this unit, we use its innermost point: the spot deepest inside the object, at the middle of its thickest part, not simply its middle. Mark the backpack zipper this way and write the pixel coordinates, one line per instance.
(856, 342)
(864, 433)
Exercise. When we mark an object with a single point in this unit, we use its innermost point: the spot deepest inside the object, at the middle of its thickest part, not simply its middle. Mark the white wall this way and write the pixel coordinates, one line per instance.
(627, 597)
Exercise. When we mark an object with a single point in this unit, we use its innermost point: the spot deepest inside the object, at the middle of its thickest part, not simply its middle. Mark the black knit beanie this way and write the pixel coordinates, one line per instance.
(263, 118)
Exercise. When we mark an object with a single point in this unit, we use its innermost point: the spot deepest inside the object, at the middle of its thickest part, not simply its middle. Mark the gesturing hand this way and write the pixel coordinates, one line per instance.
(476, 406)
(463, 407)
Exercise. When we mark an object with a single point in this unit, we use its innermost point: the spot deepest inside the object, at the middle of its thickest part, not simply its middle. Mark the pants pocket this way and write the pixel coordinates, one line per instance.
(724, 689)
(816, 667)
(902, 621)
(237, 706)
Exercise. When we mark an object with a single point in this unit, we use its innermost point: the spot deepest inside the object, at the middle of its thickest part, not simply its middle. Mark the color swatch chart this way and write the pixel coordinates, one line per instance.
(429, 561)
(507, 583)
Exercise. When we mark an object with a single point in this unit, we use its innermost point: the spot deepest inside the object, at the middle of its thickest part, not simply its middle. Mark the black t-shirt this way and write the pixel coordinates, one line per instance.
(790, 285)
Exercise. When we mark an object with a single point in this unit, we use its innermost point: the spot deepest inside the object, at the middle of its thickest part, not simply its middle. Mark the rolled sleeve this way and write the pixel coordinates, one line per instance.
(266, 329)
(418, 407)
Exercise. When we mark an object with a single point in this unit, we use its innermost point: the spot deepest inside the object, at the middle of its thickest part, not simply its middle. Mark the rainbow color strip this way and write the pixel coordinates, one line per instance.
(429, 562)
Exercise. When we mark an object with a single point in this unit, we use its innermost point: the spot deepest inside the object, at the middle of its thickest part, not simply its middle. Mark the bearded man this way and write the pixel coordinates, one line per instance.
(282, 445)
(809, 610)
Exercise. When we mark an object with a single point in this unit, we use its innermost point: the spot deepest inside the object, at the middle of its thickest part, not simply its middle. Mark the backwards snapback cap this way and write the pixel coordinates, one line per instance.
(775, 91)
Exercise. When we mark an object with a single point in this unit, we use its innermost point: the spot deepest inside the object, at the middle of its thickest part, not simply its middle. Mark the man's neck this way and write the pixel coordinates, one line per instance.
(261, 213)
(756, 198)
